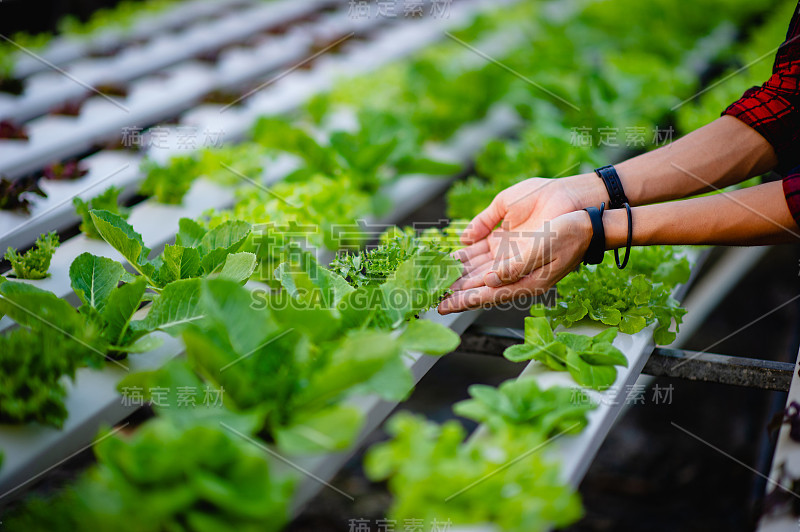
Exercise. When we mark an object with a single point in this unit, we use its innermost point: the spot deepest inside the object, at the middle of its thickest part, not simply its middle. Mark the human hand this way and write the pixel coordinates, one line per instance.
(509, 264)
(529, 203)
(490, 256)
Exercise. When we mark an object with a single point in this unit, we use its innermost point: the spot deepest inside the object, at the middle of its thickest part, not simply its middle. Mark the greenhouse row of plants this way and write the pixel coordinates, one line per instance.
(290, 303)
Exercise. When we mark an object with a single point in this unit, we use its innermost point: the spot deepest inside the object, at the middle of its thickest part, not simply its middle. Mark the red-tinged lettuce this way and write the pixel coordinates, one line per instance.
(15, 195)
(65, 171)
(11, 130)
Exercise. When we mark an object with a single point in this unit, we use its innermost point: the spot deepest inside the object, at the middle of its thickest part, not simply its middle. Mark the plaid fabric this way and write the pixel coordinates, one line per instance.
(791, 188)
(774, 111)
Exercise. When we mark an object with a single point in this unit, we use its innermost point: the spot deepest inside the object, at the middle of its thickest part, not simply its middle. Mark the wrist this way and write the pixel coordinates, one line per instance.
(586, 190)
(575, 226)
(586, 231)
(615, 224)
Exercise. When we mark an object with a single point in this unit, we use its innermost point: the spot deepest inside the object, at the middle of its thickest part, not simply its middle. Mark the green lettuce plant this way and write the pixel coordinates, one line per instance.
(35, 263)
(589, 359)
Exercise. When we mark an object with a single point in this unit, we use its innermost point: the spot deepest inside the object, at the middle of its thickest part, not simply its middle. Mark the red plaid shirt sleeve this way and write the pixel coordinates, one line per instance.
(773, 110)
(791, 188)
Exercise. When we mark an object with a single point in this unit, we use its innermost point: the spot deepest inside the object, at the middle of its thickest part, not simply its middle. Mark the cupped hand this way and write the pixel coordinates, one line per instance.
(524, 259)
(529, 203)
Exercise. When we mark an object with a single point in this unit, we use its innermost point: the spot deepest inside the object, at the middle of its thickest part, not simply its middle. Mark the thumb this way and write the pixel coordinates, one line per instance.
(485, 222)
(508, 271)
(515, 268)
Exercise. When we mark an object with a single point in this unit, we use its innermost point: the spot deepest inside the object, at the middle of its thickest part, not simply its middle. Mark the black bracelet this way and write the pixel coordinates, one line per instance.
(597, 245)
(613, 185)
(630, 239)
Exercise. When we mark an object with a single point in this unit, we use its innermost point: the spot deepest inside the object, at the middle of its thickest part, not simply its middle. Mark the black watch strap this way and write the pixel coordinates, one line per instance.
(597, 246)
(613, 185)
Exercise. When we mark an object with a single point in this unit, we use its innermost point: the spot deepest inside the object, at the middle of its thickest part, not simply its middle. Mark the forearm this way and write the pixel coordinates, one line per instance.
(752, 216)
(723, 153)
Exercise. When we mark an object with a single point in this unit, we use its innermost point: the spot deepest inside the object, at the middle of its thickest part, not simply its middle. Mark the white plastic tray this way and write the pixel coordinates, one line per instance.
(48, 88)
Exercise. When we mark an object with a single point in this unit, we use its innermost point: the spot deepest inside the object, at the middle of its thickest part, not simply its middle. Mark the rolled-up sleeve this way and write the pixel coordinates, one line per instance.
(773, 110)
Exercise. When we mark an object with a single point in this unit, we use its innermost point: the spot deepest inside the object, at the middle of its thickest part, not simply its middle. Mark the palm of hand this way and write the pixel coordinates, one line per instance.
(526, 210)
(541, 239)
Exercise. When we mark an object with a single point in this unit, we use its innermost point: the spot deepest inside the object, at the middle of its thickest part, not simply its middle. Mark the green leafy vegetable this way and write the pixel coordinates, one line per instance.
(122, 237)
(417, 285)
(52, 342)
(374, 266)
(429, 337)
(434, 474)
(167, 478)
(105, 201)
(39, 309)
(280, 361)
(590, 360)
(94, 278)
(198, 252)
(307, 281)
(107, 304)
(33, 365)
(385, 146)
(169, 183)
(629, 299)
(175, 308)
(35, 263)
(523, 403)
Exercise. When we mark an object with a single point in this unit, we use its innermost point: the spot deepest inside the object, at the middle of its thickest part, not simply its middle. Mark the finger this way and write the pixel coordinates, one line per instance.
(551, 273)
(512, 270)
(515, 268)
(472, 279)
(483, 223)
(508, 271)
(534, 284)
(486, 296)
(477, 263)
(461, 301)
(467, 254)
